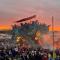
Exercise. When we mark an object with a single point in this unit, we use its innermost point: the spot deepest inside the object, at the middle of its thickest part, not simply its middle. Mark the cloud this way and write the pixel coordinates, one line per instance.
(22, 8)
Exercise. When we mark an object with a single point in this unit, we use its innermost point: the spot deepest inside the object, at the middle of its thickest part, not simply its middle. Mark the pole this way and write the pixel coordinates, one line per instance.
(53, 31)
(53, 37)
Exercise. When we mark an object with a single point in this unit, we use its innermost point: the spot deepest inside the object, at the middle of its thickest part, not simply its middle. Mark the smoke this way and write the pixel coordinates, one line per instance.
(47, 40)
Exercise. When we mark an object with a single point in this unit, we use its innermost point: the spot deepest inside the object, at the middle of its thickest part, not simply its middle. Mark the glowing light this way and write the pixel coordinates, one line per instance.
(38, 35)
(18, 39)
(36, 38)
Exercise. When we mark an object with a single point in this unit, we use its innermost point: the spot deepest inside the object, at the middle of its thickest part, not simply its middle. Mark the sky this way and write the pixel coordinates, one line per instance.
(12, 10)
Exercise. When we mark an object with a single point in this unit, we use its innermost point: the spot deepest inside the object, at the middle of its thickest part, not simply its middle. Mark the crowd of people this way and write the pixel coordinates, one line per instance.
(28, 54)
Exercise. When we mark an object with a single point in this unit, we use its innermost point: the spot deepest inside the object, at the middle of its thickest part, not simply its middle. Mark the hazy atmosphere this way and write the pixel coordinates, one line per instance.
(11, 10)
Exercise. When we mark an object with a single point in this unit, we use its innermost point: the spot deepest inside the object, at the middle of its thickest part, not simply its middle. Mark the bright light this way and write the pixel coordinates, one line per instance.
(38, 35)
(18, 39)
(36, 38)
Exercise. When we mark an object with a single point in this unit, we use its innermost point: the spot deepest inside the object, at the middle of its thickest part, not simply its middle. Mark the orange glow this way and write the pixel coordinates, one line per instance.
(5, 27)
(55, 28)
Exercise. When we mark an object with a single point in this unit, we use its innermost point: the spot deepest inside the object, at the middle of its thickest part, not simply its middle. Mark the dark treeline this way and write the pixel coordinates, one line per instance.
(30, 28)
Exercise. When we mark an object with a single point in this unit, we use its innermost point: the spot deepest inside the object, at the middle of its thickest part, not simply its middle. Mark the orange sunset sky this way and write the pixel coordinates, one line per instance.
(7, 27)
(12, 10)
